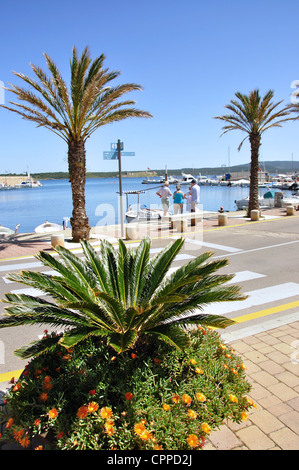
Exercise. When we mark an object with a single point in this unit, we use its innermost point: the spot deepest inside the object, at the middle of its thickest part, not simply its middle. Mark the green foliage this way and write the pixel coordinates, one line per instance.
(153, 397)
(122, 294)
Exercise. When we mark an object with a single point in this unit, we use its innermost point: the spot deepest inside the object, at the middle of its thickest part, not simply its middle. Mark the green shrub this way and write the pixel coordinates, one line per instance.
(150, 397)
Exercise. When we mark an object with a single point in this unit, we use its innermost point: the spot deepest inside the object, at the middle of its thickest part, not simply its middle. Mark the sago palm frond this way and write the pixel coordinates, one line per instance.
(120, 293)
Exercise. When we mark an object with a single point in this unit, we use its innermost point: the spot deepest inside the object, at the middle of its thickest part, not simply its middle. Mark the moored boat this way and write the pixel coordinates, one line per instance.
(48, 227)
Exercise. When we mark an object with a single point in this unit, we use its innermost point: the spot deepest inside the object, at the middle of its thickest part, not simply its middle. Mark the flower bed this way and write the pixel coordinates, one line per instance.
(149, 398)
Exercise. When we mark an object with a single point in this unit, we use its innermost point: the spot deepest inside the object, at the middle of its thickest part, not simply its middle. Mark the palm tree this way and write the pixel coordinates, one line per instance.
(123, 295)
(75, 114)
(253, 115)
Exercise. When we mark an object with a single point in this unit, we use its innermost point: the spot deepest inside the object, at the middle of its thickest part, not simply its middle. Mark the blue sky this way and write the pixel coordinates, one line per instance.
(190, 56)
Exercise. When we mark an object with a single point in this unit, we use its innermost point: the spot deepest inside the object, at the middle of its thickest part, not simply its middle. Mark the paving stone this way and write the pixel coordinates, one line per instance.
(255, 439)
(264, 378)
(282, 391)
(266, 422)
(224, 439)
(256, 356)
(291, 420)
(272, 367)
(288, 378)
(285, 439)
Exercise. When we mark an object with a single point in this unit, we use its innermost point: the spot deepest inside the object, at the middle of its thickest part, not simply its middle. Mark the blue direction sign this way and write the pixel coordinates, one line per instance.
(110, 155)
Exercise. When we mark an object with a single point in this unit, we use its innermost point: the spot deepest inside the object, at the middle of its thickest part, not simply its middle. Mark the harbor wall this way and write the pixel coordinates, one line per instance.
(14, 180)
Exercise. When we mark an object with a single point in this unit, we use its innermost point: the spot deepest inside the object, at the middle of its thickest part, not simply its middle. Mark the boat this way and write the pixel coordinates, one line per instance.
(268, 200)
(48, 227)
(140, 213)
(186, 179)
(152, 180)
(6, 230)
(242, 183)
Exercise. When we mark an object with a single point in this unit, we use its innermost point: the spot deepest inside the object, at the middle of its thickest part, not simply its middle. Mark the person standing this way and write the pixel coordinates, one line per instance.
(178, 199)
(195, 194)
(164, 193)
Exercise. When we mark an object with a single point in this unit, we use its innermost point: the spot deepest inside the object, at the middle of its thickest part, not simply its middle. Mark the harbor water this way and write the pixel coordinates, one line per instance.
(30, 207)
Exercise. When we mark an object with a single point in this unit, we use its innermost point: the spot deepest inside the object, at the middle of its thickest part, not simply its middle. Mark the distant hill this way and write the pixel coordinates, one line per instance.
(277, 166)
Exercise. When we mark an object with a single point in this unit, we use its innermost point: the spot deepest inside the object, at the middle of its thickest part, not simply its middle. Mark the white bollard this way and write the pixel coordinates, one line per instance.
(57, 240)
(132, 231)
(255, 214)
(222, 219)
(290, 210)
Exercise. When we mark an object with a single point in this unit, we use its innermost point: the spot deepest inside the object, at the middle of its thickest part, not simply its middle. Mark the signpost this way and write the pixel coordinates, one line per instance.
(115, 154)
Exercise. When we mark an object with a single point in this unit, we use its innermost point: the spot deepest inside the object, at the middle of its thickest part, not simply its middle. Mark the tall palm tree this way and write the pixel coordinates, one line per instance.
(253, 115)
(121, 294)
(74, 114)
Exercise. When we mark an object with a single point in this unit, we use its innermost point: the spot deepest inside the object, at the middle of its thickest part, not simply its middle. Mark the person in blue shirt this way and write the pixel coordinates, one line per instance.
(178, 199)
(195, 193)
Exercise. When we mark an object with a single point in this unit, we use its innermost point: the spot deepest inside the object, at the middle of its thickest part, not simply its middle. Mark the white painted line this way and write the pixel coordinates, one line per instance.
(256, 297)
(29, 291)
(241, 252)
(243, 276)
(19, 267)
(212, 245)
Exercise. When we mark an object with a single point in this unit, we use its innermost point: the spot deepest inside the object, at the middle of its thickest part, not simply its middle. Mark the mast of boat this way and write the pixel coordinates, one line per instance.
(165, 172)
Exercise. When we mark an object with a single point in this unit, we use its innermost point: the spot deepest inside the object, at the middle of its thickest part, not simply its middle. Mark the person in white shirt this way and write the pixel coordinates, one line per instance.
(164, 193)
(195, 194)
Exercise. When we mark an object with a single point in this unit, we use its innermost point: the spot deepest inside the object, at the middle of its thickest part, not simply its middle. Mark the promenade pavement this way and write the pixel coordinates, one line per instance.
(271, 357)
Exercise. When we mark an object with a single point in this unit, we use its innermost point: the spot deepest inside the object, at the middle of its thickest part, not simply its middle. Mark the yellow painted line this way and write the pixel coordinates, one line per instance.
(6, 376)
(264, 313)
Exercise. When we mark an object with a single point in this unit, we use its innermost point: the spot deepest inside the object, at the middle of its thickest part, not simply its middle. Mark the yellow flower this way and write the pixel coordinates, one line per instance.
(206, 428)
(106, 412)
(193, 361)
(222, 346)
(139, 428)
(193, 440)
(145, 435)
(166, 407)
(244, 415)
(192, 414)
(233, 398)
(92, 407)
(200, 397)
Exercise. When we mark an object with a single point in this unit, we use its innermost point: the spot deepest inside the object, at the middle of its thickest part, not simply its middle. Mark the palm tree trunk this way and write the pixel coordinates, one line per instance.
(255, 142)
(77, 174)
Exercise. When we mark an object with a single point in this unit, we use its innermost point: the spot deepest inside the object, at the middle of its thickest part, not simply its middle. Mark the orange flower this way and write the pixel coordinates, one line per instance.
(133, 356)
(39, 448)
(37, 422)
(233, 398)
(157, 447)
(139, 428)
(52, 413)
(145, 435)
(198, 370)
(106, 412)
(193, 440)
(82, 412)
(244, 415)
(156, 360)
(192, 414)
(186, 398)
(17, 387)
(129, 396)
(166, 407)
(234, 371)
(175, 398)
(9, 423)
(200, 397)
(92, 407)
(43, 397)
(193, 361)
(206, 428)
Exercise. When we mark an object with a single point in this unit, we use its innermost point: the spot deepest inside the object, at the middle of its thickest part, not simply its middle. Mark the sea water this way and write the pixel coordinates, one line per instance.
(31, 207)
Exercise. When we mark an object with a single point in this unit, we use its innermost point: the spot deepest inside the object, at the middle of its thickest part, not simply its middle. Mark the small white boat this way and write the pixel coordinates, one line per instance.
(6, 230)
(140, 213)
(186, 179)
(242, 183)
(48, 227)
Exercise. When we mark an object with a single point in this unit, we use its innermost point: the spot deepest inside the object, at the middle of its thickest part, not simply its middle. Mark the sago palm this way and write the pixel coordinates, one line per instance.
(253, 115)
(74, 113)
(122, 294)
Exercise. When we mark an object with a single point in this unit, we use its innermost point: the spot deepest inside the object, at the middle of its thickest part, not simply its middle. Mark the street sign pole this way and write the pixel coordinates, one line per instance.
(120, 189)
